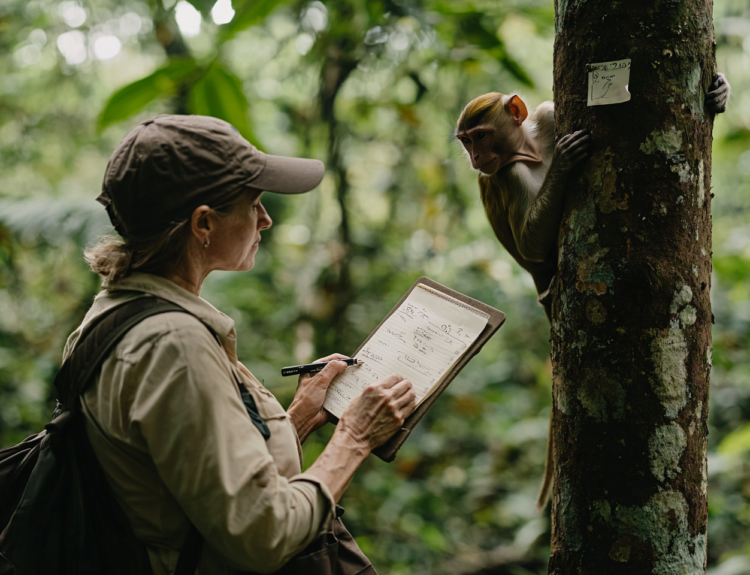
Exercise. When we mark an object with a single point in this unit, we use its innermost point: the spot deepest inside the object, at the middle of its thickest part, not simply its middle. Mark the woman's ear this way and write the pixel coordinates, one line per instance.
(202, 224)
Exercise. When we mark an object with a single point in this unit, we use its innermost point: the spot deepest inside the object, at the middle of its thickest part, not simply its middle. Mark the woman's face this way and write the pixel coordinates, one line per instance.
(237, 237)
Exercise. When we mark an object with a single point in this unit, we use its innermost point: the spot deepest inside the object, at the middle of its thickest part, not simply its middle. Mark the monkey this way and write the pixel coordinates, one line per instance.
(522, 176)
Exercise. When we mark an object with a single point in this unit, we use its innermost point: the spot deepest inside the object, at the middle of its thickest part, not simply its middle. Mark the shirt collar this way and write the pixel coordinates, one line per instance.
(163, 288)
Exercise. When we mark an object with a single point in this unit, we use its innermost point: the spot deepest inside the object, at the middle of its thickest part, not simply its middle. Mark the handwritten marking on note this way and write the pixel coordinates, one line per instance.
(608, 82)
(421, 341)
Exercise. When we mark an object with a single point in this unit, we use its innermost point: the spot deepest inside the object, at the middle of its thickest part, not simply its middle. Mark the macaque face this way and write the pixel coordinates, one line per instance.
(490, 131)
(480, 144)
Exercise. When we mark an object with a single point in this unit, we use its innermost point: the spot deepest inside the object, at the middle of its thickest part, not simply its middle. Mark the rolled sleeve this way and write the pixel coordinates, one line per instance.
(325, 505)
(214, 461)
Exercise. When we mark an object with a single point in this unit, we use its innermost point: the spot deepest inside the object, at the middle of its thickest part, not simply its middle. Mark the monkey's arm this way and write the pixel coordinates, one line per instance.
(718, 96)
(534, 211)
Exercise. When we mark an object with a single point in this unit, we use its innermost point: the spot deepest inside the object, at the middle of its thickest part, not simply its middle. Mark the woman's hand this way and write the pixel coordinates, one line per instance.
(379, 412)
(306, 412)
(369, 421)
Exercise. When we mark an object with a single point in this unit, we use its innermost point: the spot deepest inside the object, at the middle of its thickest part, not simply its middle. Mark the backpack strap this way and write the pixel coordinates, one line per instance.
(95, 345)
(77, 372)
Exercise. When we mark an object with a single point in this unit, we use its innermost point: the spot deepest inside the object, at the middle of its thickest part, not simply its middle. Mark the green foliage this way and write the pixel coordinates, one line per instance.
(247, 13)
(734, 268)
(738, 441)
(219, 93)
(133, 98)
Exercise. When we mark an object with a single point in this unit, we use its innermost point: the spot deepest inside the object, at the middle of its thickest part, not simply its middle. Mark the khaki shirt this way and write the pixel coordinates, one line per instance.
(167, 423)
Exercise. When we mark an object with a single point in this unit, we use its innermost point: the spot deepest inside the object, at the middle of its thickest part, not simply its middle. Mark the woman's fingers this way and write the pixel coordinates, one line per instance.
(389, 382)
(401, 388)
(405, 407)
(330, 371)
(331, 357)
(405, 399)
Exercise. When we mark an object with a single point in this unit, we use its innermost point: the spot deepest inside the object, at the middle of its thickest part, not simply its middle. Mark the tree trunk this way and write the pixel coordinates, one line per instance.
(631, 333)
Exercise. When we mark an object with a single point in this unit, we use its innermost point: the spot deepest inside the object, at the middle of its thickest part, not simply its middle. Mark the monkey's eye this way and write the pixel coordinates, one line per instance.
(466, 141)
(481, 135)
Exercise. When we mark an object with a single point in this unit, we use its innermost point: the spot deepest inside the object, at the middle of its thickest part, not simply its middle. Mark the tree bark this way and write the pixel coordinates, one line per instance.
(631, 330)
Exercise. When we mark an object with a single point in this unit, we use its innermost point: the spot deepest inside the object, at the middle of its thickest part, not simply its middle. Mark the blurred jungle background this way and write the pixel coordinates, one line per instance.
(372, 88)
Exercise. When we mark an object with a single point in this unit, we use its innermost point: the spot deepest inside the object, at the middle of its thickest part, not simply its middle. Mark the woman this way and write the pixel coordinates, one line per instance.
(166, 419)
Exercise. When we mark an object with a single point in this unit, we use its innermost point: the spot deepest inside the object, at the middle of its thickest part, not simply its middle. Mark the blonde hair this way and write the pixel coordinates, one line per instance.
(115, 258)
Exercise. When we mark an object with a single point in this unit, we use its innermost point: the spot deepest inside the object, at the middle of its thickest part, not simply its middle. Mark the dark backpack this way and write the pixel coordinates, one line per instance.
(58, 515)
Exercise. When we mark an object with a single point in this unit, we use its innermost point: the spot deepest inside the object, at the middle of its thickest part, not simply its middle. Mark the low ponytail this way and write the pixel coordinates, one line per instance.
(110, 257)
(114, 258)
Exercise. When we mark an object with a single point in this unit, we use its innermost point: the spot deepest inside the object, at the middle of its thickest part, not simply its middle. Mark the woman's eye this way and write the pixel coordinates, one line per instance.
(481, 135)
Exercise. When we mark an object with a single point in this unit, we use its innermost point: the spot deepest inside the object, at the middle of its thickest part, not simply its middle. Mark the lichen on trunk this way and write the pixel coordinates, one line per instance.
(631, 326)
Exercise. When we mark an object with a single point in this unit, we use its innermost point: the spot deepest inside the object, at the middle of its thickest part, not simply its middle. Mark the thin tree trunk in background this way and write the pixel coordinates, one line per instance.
(631, 334)
(333, 330)
(169, 36)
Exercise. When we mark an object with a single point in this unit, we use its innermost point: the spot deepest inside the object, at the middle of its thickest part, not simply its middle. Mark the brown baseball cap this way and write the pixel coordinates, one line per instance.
(169, 165)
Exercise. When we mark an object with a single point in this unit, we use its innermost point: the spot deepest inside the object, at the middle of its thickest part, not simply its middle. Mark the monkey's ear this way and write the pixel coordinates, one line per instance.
(517, 109)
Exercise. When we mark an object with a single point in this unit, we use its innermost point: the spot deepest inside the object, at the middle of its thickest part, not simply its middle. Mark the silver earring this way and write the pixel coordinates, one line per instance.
(208, 241)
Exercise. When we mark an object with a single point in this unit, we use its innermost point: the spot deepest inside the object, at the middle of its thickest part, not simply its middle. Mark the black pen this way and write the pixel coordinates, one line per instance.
(315, 367)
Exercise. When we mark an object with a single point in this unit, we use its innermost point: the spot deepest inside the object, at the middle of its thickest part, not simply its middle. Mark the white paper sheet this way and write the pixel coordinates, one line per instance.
(608, 82)
(420, 341)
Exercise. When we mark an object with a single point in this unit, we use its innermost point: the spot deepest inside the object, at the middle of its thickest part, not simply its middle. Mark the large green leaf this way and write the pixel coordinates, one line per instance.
(515, 69)
(738, 441)
(247, 13)
(473, 30)
(732, 268)
(219, 93)
(131, 99)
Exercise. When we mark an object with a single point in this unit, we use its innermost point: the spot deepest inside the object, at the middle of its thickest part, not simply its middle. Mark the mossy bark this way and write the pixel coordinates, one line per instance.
(631, 329)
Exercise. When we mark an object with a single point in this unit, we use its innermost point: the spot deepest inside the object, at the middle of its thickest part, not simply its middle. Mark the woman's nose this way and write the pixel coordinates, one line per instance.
(264, 221)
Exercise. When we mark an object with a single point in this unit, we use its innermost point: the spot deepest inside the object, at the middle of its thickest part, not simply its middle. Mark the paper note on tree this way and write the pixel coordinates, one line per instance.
(608, 82)
(421, 341)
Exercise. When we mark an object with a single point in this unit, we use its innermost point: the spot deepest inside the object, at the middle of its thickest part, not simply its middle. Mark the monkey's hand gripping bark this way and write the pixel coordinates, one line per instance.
(718, 96)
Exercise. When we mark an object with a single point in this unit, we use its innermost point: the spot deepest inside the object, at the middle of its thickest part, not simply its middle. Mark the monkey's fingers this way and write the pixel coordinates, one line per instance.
(580, 144)
(580, 134)
(580, 156)
(580, 151)
(581, 147)
(718, 92)
(716, 102)
(576, 134)
(576, 140)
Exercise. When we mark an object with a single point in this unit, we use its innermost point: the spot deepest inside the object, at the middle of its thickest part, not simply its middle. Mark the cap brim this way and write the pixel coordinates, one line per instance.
(284, 175)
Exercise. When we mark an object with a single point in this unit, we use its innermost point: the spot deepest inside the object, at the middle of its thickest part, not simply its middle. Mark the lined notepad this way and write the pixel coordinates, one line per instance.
(421, 341)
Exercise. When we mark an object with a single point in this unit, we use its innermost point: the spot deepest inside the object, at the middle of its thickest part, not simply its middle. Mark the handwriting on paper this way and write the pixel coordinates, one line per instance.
(420, 341)
(608, 82)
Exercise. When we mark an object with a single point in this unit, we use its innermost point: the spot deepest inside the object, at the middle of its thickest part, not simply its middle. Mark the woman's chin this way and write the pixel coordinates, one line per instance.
(244, 266)
(249, 264)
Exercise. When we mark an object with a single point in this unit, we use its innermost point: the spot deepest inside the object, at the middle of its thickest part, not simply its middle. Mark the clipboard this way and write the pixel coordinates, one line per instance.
(387, 452)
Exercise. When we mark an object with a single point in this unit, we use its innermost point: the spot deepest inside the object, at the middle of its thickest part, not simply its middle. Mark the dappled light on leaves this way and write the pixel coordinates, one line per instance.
(188, 19)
